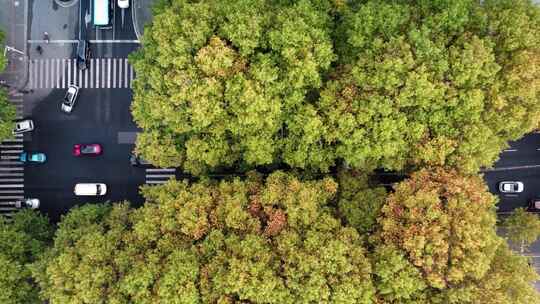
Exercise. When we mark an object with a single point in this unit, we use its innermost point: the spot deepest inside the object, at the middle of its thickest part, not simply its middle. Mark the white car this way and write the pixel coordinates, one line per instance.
(23, 126)
(90, 189)
(511, 187)
(32, 203)
(69, 99)
(123, 3)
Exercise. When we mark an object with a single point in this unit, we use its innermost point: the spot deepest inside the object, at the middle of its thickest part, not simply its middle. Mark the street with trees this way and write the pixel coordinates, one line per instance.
(326, 91)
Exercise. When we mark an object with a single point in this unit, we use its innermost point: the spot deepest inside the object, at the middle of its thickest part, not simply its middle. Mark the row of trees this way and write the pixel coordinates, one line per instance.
(279, 239)
(311, 83)
(275, 239)
(7, 110)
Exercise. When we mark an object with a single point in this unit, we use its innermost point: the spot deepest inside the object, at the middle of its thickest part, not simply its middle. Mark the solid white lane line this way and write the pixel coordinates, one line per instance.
(510, 150)
(11, 146)
(86, 78)
(79, 81)
(114, 41)
(126, 67)
(63, 73)
(11, 191)
(31, 76)
(12, 174)
(68, 73)
(92, 63)
(57, 73)
(130, 75)
(161, 170)
(98, 62)
(155, 182)
(108, 73)
(103, 71)
(41, 74)
(12, 151)
(53, 41)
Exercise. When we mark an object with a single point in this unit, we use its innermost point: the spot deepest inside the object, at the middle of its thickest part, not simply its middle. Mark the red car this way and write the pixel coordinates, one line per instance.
(89, 149)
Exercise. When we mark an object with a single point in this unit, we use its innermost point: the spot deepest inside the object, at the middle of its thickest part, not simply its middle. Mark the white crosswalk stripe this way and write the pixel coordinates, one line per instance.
(57, 73)
(156, 176)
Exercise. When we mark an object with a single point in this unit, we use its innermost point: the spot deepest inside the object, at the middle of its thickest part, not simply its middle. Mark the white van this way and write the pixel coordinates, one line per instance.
(90, 189)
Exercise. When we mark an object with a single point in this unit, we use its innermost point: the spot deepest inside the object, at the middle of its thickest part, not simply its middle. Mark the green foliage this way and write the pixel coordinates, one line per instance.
(22, 240)
(272, 240)
(508, 280)
(7, 115)
(522, 226)
(3, 59)
(254, 82)
(219, 79)
(396, 279)
(421, 83)
(444, 223)
(7, 110)
(359, 203)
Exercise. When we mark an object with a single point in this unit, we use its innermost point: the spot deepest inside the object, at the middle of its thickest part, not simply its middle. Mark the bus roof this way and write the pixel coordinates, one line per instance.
(101, 12)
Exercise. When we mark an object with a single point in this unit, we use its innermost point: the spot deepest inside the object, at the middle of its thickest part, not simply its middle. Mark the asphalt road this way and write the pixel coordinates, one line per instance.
(98, 117)
(520, 162)
(101, 115)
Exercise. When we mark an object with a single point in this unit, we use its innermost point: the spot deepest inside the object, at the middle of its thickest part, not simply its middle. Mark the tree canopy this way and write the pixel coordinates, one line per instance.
(22, 240)
(279, 239)
(310, 83)
(522, 227)
(3, 59)
(258, 241)
(7, 110)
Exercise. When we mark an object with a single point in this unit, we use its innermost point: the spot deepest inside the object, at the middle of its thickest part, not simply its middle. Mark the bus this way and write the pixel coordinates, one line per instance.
(101, 13)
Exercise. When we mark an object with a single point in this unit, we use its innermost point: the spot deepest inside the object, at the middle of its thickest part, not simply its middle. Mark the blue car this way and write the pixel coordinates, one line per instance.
(32, 157)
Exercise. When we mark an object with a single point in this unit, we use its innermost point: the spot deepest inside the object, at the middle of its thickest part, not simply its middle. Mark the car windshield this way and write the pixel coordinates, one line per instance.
(69, 95)
(98, 188)
(88, 149)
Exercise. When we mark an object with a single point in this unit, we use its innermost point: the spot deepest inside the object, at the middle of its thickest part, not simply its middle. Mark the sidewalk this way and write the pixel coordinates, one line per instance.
(142, 14)
(13, 20)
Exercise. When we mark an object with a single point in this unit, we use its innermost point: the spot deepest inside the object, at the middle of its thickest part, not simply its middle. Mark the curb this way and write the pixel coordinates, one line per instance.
(134, 9)
(66, 4)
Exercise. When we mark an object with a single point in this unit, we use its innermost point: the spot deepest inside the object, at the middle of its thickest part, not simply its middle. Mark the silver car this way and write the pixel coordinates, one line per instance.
(511, 187)
(32, 203)
(23, 126)
(69, 99)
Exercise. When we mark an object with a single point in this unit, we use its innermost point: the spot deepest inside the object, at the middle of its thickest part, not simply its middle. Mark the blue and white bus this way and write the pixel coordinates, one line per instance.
(101, 13)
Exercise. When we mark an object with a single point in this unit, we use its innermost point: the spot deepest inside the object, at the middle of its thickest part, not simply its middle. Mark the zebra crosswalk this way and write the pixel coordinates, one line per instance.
(11, 175)
(11, 169)
(58, 73)
(156, 176)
